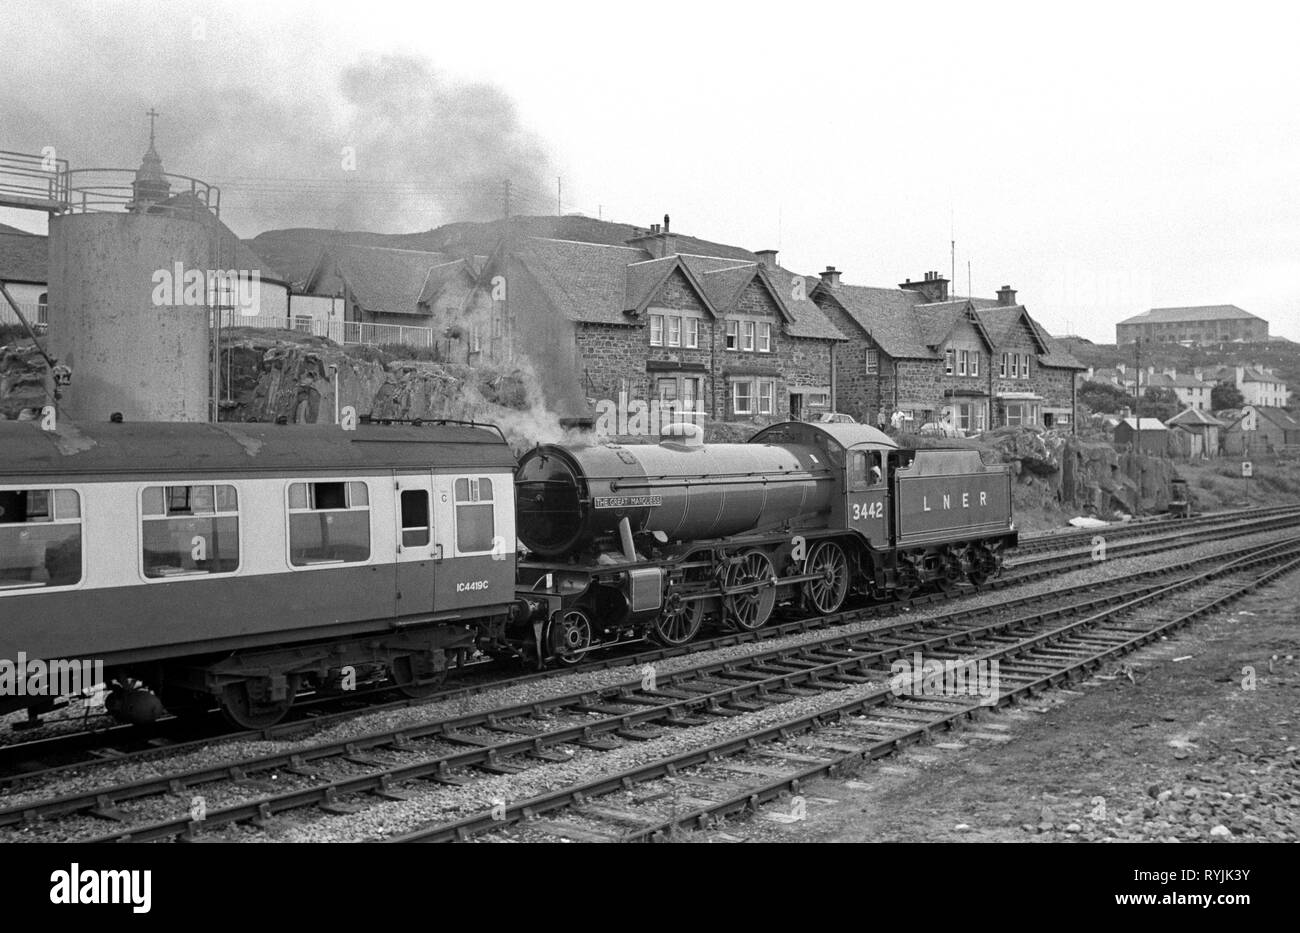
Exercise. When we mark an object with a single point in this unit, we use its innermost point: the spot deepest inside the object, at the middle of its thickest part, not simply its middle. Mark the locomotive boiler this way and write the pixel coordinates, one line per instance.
(625, 541)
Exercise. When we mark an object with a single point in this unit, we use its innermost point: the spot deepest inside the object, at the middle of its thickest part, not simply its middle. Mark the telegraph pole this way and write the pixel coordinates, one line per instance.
(1137, 412)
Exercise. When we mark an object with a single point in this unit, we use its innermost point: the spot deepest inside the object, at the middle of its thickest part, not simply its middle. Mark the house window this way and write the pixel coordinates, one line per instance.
(873, 362)
(329, 523)
(691, 393)
(189, 530)
(656, 330)
(1024, 367)
(692, 332)
(974, 362)
(1002, 371)
(1015, 365)
(667, 388)
(950, 362)
(1015, 415)
(475, 340)
(765, 338)
(962, 357)
(766, 397)
(733, 335)
(747, 336)
(674, 331)
(475, 515)
(742, 397)
(818, 399)
(40, 538)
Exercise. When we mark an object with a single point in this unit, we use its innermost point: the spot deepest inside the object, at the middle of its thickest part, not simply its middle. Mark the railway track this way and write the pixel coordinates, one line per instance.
(459, 750)
(47, 758)
(1057, 540)
(737, 775)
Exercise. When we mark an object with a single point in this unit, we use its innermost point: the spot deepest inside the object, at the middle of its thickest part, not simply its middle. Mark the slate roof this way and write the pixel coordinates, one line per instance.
(1179, 381)
(599, 283)
(1193, 417)
(24, 257)
(441, 275)
(1148, 424)
(885, 314)
(386, 281)
(1194, 313)
(1279, 416)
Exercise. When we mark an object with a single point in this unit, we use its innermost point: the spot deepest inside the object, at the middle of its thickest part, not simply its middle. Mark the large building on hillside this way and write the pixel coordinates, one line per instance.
(1199, 326)
(977, 363)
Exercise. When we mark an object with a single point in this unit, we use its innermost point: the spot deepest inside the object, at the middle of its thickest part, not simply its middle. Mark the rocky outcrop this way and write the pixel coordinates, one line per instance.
(25, 384)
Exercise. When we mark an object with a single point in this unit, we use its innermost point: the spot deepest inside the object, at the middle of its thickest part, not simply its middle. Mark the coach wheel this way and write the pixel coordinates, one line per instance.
(570, 636)
(416, 680)
(826, 594)
(751, 609)
(985, 566)
(247, 703)
(679, 622)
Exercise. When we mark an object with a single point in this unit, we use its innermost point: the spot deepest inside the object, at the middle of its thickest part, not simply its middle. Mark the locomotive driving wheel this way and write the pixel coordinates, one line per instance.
(826, 594)
(570, 636)
(678, 622)
(751, 609)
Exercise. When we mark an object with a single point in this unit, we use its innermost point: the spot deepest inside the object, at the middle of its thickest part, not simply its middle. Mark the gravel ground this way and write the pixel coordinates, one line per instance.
(392, 817)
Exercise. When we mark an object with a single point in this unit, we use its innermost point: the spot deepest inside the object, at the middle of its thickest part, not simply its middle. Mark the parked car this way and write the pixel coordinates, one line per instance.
(836, 417)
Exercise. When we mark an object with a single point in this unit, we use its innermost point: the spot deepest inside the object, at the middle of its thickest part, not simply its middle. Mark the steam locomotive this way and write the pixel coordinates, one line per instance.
(625, 541)
(240, 565)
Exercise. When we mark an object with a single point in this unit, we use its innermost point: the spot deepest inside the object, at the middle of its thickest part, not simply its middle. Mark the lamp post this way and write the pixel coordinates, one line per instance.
(1137, 409)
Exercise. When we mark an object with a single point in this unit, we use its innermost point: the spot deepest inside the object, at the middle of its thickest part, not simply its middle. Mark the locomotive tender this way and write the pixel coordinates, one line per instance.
(237, 565)
(657, 538)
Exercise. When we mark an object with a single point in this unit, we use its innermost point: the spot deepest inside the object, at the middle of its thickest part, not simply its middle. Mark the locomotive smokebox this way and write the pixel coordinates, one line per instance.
(570, 498)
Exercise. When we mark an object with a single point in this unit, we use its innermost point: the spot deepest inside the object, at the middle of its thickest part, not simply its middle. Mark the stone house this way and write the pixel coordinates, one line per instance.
(975, 363)
(650, 324)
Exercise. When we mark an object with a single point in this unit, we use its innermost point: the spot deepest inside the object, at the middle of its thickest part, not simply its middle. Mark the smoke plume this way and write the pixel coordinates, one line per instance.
(293, 134)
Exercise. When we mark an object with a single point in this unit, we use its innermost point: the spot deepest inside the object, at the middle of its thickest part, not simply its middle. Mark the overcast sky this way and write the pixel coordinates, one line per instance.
(1101, 161)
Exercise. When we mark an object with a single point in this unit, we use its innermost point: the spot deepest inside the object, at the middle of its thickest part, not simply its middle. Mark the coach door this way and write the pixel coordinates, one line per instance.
(868, 505)
(416, 549)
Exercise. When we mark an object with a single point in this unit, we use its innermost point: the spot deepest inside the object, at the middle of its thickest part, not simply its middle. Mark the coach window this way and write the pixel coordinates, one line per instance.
(189, 530)
(475, 515)
(415, 517)
(40, 538)
(329, 523)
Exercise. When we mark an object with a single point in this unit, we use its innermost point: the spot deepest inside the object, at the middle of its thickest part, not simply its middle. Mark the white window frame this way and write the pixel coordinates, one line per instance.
(766, 396)
(735, 397)
(656, 330)
(747, 330)
(974, 362)
(733, 335)
(1015, 365)
(141, 518)
(473, 481)
(873, 362)
(288, 531)
(1003, 371)
(674, 330)
(950, 362)
(765, 337)
(691, 337)
(81, 520)
(962, 357)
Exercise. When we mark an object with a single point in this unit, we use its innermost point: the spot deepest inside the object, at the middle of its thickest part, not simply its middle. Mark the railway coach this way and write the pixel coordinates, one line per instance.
(631, 540)
(237, 564)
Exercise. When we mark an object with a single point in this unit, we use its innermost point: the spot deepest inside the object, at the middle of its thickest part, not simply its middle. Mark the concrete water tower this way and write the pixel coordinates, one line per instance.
(127, 312)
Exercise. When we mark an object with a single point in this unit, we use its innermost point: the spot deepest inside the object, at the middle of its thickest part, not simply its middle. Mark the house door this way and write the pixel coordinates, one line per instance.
(796, 406)
(415, 547)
